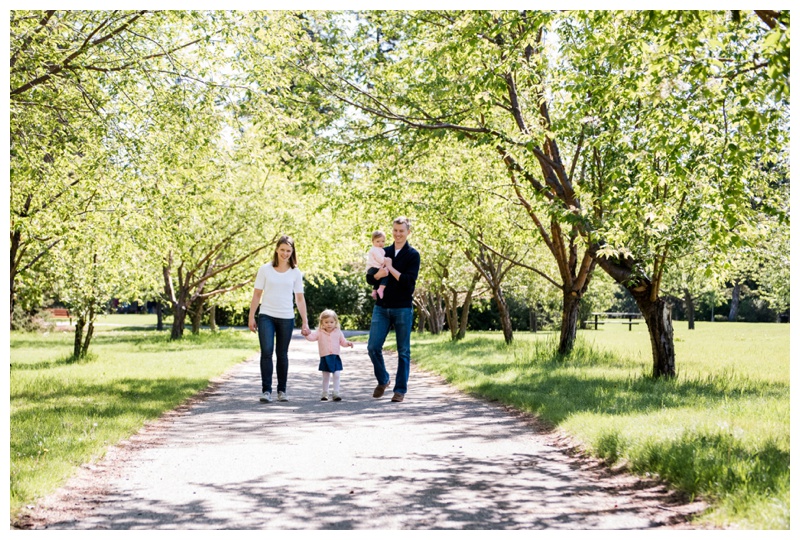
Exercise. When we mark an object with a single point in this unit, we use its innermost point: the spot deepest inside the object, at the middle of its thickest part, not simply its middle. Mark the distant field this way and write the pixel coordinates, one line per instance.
(720, 430)
(124, 321)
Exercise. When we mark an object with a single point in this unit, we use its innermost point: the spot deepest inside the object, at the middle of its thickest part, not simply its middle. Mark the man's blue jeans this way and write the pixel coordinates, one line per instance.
(402, 319)
(274, 335)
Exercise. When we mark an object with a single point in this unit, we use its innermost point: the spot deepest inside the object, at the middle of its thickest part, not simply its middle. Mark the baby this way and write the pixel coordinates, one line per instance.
(375, 260)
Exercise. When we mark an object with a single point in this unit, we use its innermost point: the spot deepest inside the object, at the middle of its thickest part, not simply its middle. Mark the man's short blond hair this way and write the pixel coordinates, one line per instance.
(402, 220)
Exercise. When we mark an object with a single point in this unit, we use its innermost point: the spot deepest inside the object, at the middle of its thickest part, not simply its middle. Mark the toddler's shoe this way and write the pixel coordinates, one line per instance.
(337, 397)
(324, 397)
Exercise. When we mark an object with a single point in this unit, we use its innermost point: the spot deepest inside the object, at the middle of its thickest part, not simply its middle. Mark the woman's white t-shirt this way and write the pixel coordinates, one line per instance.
(277, 300)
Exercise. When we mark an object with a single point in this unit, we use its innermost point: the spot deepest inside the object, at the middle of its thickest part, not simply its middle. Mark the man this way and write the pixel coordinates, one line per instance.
(395, 308)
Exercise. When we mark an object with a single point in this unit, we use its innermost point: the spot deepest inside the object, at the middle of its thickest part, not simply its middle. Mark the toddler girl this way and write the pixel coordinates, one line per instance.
(375, 260)
(329, 337)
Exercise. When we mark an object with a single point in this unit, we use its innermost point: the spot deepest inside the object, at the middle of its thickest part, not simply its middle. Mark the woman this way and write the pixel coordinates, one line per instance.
(275, 283)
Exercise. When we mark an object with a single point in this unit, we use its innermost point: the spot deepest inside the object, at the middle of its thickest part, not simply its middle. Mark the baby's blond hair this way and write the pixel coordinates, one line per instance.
(378, 234)
(329, 314)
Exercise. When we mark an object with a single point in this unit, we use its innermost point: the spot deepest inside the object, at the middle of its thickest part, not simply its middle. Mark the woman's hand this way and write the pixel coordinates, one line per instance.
(305, 330)
(251, 323)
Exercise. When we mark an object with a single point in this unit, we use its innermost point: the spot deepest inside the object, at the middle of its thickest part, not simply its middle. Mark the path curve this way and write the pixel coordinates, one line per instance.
(439, 460)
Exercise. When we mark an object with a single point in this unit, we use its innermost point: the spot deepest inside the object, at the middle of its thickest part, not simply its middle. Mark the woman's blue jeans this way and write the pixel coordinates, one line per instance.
(274, 335)
(402, 319)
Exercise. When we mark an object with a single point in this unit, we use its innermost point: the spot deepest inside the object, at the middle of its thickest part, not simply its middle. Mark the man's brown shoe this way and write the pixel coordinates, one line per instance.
(380, 389)
(397, 398)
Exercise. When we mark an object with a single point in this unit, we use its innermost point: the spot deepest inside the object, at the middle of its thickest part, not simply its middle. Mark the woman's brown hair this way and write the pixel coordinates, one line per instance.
(288, 241)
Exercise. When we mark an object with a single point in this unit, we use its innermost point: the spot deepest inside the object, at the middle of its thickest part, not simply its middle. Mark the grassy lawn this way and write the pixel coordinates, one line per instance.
(720, 430)
(66, 414)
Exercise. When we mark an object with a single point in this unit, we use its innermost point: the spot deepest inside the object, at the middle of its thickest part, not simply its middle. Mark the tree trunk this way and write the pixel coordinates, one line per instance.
(569, 321)
(688, 302)
(178, 321)
(159, 316)
(532, 315)
(78, 342)
(462, 326)
(422, 314)
(197, 315)
(658, 317)
(15, 242)
(505, 317)
(656, 312)
(436, 312)
(87, 339)
(431, 311)
(451, 314)
(212, 318)
(735, 295)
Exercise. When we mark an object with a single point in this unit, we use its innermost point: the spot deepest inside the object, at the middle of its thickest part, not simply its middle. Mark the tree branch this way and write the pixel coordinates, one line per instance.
(58, 68)
(514, 98)
(37, 257)
(490, 248)
(42, 24)
(227, 266)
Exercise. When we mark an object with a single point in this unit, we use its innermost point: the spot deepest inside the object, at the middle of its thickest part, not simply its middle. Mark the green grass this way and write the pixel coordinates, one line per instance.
(720, 430)
(131, 320)
(65, 414)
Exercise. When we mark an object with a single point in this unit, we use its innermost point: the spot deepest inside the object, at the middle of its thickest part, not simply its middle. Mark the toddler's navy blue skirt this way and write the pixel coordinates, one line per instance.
(331, 363)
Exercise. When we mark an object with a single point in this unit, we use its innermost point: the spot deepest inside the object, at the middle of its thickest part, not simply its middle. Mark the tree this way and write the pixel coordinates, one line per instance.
(703, 133)
(457, 287)
(76, 81)
(92, 266)
(436, 71)
(661, 112)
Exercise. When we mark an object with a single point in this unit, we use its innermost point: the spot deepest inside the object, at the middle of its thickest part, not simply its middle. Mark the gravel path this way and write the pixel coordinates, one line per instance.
(439, 460)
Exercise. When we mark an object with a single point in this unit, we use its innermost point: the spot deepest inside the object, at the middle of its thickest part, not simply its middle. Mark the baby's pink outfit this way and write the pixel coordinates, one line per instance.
(328, 343)
(375, 257)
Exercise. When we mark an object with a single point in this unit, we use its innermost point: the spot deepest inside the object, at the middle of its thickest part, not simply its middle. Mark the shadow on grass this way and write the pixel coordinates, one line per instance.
(71, 405)
(563, 393)
(534, 378)
(715, 463)
(44, 364)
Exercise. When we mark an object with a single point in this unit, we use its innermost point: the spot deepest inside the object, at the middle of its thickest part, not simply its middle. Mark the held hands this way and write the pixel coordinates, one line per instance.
(349, 344)
(305, 330)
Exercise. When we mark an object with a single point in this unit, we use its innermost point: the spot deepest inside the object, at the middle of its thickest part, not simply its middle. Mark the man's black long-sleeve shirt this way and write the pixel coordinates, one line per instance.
(399, 293)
